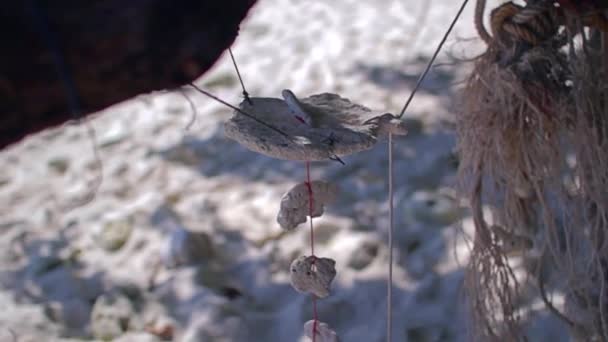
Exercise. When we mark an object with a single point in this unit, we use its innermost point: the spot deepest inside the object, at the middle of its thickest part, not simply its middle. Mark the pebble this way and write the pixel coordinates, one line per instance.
(434, 208)
(72, 313)
(186, 247)
(137, 337)
(364, 255)
(39, 265)
(111, 315)
(114, 234)
(220, 324)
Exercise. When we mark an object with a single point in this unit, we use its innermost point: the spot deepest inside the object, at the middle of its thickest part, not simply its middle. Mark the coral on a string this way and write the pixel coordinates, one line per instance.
(310, 274)
(319, 127)
(295, 203)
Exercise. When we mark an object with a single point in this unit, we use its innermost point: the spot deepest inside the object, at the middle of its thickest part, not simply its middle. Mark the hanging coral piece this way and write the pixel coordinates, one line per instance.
(322, 331)
(324, 126)
(295, 204)
(310, 274)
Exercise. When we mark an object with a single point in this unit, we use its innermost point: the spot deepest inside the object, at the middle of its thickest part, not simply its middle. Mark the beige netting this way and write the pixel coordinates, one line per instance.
(533, 144)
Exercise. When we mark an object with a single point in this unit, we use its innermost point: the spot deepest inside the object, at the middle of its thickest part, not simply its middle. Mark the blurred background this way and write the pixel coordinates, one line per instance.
(181, 242)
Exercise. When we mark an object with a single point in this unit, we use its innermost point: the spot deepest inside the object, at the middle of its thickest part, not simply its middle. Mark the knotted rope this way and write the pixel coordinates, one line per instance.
(534, 23)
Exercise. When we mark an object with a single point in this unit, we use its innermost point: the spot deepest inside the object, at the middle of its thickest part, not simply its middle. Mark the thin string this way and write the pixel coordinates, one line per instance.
(208, 94)
(430, 64)
(193, 110)
(389, 294)
(238, 73)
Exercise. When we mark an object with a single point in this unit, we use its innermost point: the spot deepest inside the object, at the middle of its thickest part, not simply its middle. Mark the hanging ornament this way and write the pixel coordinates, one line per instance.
(310, 274)
(324, 126)
(295, 203)
(322, 332)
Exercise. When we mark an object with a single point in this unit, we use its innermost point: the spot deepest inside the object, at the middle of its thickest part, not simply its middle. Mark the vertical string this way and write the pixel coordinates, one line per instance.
(312, 248)
(389, 292)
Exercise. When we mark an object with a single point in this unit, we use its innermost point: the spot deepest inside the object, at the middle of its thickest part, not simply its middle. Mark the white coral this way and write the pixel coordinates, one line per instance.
(295, 205)
(322, 331)
(312, 275)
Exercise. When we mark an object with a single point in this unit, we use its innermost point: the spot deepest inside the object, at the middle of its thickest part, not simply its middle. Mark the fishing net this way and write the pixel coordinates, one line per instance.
(533, 146)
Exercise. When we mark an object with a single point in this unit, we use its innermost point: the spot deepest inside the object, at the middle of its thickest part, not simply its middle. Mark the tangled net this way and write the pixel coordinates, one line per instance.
(533, 143)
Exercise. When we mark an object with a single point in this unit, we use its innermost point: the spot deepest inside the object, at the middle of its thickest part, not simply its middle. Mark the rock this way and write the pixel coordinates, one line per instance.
(429, 288)
(322, 331)
(185, 247)
(312, 275)
(425, 333)
(295, 206)
(434, 208)
(364, 255)
(72, 313)
(114, 234)
(39, 265)
(137, 337)
(63, 284)
(219, 324)
(164, 330)
(110, 316)
(183, 154)
(210, 276)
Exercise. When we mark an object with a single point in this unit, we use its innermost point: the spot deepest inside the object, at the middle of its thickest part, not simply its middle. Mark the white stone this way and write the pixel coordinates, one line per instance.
(111, 315)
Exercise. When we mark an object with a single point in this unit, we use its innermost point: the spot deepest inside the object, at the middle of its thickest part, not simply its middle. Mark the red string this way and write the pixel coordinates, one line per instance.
(315, 314)
(312, 247)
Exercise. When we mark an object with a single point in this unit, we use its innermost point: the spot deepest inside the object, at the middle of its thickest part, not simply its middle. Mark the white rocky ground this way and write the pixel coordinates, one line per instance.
(181, 240)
